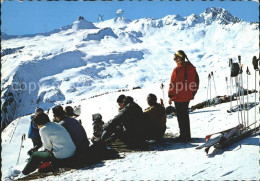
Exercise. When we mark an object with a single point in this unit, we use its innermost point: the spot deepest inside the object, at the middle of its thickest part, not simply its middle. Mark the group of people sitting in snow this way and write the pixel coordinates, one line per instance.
(64, 140)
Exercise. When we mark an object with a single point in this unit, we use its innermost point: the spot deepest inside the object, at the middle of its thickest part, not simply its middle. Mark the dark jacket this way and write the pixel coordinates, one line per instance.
(156, 121)
(97, 128)
(77, 134)
(33, 131)
(132, 118)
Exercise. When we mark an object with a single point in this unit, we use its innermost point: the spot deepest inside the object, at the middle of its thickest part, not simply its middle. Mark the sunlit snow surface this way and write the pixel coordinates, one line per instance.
(76, 62)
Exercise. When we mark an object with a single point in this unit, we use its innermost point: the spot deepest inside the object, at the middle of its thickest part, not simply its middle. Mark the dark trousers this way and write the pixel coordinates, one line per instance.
(155, 132)
(183, 119)
(130, 138)
(36, 160)
(37, 143)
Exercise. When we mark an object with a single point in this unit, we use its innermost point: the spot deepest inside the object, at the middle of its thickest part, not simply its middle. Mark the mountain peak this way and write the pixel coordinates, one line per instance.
(81, 23)
(122, 20)
(219, 14)
(81, 18)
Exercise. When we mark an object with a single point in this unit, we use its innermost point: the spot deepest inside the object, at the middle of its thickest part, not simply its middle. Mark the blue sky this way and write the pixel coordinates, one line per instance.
(19, 18)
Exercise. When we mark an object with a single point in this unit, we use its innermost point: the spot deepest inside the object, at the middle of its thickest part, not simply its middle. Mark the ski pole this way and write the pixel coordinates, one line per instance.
(227, 85)
(239, 94)
(240, 103)
(162, 87)
(207, 105)
(247, 73)
(255, 64)
(23, 138)
(236, 79)
(212, 75)
(14, 130)
(231, 84)
(242, 89)
(209, 90)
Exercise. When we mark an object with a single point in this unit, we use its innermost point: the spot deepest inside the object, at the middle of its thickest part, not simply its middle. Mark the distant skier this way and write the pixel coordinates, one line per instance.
(132, 118)
(75, 129)
(184, 85)
(33, 134)
(156, 118)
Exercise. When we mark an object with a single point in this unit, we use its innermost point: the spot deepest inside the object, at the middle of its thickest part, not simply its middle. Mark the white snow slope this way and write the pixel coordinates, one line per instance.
(77, 62)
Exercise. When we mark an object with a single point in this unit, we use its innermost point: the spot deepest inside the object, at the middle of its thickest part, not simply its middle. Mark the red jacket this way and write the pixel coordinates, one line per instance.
(181, 90)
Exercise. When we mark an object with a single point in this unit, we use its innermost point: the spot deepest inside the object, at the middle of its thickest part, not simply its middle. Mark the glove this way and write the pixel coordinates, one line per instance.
(170, 101)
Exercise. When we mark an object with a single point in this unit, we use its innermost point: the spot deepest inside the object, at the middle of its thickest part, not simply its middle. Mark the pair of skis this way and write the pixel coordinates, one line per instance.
(246, 106)
(227, 137)
(224, 135)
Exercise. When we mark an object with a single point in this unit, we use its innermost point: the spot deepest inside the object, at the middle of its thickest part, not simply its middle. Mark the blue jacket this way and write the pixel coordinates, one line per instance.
(33, 130)
(77, 133)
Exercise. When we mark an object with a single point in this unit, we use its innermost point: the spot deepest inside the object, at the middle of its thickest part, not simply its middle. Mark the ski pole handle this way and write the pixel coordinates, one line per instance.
(230, 62)
(23, 138)
(247, 71)
(162, 86)
(255, 63)
(239, 58)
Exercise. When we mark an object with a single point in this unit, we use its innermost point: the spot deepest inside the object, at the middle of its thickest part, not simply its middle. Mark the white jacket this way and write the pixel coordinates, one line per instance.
(55, 138)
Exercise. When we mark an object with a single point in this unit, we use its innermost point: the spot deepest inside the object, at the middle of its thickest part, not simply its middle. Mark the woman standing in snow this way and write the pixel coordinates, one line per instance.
(183, 87)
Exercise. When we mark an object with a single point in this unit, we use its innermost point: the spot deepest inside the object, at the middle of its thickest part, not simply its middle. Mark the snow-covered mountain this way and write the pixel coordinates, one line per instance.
(78, 62)
(83, 59)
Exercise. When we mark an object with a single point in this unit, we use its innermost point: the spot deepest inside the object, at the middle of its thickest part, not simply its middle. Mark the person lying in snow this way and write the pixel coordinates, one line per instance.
(56, 141)
(155, 118)
(75, 129)
(132, 119)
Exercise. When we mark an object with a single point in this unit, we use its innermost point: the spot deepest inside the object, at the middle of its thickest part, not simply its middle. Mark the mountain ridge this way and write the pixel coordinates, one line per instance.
(211, 14)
